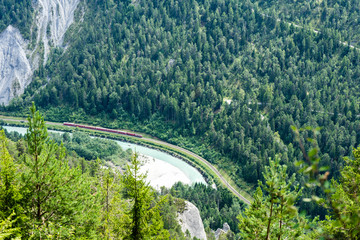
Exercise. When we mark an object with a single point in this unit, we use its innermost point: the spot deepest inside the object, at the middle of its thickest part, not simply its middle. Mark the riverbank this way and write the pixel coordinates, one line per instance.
(210, 173)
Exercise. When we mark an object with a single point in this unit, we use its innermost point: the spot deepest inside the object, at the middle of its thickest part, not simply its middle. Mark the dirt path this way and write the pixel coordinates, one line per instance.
(217, 173)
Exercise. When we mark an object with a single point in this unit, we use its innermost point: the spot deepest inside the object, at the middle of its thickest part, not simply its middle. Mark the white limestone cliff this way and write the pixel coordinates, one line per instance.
(17, 62)
(190, 220)
(56, 15)
(15, 70)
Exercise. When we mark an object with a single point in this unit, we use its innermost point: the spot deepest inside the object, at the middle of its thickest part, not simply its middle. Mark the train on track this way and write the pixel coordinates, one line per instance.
(102, 129)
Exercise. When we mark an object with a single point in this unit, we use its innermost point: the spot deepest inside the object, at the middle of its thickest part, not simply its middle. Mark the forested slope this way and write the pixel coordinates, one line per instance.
(221, 75)
(17, 13)
(48, 191)
(339, 16)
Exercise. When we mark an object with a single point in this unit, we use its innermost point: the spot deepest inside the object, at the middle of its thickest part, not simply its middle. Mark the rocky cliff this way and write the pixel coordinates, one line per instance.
(15, 70)
(190, 220)
(53, 18)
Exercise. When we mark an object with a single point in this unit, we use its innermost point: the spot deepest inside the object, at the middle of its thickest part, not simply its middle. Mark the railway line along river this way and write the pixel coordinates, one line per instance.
(162, 168)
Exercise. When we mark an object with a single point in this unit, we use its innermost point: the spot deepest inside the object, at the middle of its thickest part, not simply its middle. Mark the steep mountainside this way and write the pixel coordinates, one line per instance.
(53, 18)
(18, 58)
(341, 16)
(15, 69)
(224, 78)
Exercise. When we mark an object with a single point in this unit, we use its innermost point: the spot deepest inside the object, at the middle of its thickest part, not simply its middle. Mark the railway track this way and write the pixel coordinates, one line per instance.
(212, 167)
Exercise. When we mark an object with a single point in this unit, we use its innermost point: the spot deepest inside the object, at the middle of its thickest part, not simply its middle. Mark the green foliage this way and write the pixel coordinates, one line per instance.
(16, 13)
(274, 215)
(146, 222)
(54, 192)
(346, 200)
(114, 216)
(169, 212)
(46, 194)
(7, 230)
(327, 16)
(10, 187)
(341, 198)
(216, 206)
(93, 148)
(166, 67)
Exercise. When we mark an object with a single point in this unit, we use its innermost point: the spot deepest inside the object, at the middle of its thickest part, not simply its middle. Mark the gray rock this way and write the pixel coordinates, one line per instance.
(221, 231)
(57, 15)
(190, 220)
(226, 227)
(218, 233)
(15, 70)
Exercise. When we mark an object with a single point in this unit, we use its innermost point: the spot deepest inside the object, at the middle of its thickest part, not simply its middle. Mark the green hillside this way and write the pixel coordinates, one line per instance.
(225, 79)
(170, 65)
(18, 13)
(325, 15)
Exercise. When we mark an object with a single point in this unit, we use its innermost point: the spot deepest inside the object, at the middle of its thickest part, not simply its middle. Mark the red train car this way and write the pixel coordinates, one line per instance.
(102, 129)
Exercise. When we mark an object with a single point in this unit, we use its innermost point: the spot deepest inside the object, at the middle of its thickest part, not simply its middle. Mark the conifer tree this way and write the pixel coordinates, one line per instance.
(10, 189)
(344, 201)
(114, 215)
(57, 195)
(341, 197)
(8, 230)
(273, 216)
(146, 222)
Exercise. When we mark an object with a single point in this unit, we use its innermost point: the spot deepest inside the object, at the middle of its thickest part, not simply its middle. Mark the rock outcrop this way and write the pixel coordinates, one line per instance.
(190, 220)
(222, 231)
(56, 16)
(15, 69)
(53, 18)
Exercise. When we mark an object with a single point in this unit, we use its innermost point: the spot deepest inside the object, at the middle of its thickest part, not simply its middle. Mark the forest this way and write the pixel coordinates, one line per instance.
(218, 77)
(225, 79)
(16, 13)
(50, 192)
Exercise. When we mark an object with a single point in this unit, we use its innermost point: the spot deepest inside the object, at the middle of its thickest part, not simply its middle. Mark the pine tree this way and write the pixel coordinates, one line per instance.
(114, 215)
(273, 216)
(10, 189)
(7, 229)
(58, 196)
(344, 221)
(146, 222)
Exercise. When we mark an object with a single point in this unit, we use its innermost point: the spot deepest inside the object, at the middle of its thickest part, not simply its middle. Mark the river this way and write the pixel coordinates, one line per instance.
(162, 168)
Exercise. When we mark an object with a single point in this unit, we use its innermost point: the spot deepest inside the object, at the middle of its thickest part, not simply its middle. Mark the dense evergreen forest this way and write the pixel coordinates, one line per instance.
(47, 193)
(50, 192)
(226, 79)
(16, 13)
(328, 15)
(219, 74)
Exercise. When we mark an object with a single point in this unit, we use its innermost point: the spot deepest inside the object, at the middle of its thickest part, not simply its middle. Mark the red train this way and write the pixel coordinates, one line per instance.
(102, 129)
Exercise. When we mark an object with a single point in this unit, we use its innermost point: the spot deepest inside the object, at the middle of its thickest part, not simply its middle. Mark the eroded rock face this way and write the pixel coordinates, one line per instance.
(190, 220)
(53, 18)
(222, 231)
(56, 16)
(15, 70)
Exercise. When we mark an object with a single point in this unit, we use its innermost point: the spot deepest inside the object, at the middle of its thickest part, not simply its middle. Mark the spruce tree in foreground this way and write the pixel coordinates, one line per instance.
(114, 216)
(344, 203)
(7, 229)
(11, 210)
(57, 195)
(274, 216)
(341, 197)
(146, 222)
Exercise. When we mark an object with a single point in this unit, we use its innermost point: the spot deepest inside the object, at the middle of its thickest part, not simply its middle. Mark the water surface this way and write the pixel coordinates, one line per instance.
(163, 169)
